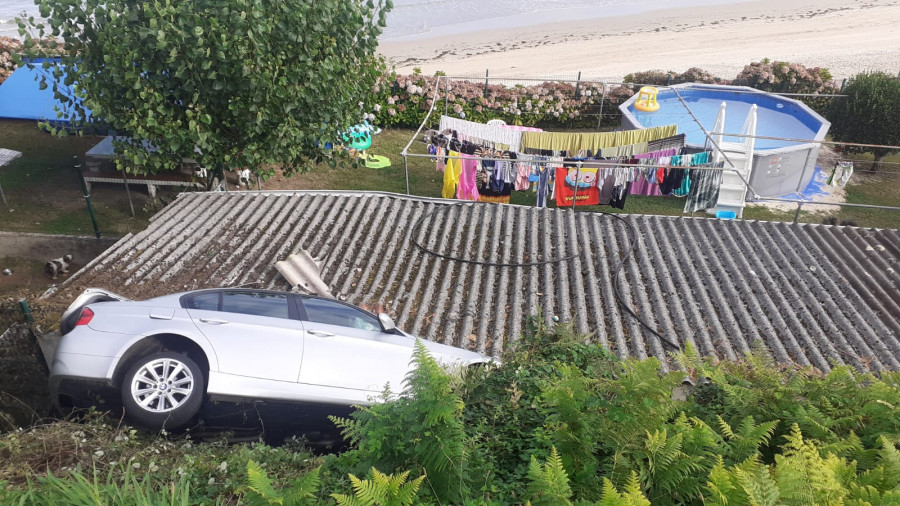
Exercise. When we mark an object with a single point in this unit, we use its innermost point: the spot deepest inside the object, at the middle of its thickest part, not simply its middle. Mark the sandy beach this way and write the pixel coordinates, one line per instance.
(847, 37)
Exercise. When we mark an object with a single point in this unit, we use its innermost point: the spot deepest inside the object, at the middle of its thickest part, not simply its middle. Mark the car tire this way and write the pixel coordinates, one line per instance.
(163, 390)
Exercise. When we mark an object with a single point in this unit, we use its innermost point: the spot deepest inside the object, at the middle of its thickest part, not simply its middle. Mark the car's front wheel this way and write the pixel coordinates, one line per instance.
(163, 390)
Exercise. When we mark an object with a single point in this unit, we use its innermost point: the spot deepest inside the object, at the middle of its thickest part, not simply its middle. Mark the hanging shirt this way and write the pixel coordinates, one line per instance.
(704, 192)
(468, 189)
(620, 193)
(451, 175)
(441, 160)
(543, 185)
(523, 170)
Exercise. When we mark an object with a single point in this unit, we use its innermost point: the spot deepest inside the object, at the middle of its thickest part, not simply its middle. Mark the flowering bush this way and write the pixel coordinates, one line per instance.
(405, 100)
(784, 77)
(10, 47)
(659, 78)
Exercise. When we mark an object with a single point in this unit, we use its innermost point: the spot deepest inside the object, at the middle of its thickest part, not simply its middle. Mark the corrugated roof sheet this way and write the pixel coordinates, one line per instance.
(812, 294)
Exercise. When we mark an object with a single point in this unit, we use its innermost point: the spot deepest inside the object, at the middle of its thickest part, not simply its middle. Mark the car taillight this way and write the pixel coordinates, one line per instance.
(85, 317)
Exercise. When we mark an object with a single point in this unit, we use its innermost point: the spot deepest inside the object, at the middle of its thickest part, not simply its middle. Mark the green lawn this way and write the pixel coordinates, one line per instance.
(44, 193)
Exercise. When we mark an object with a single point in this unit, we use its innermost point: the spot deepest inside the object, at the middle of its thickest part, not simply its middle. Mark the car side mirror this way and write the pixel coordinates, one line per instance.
(387, 324)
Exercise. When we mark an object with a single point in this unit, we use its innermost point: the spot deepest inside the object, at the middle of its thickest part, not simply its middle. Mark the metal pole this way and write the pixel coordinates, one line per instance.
(602, 99)
(87, 196)
(486, 71)
(128, 192)
(797, 214)
(577, 85)
(446, 96)
(26, 311)
(5, 203)
(577, 177)
(406, 168)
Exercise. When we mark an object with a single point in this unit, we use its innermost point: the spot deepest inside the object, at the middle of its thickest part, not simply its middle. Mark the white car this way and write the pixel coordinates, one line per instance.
(166, 355)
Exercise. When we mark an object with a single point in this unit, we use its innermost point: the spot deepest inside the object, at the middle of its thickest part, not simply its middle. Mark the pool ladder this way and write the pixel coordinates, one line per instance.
(737, 156)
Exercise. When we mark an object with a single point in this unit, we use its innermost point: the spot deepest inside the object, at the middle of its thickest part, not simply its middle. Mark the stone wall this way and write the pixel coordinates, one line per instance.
(48, 246)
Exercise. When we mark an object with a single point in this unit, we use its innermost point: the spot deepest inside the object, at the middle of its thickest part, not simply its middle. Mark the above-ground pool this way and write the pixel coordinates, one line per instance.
(779, 167)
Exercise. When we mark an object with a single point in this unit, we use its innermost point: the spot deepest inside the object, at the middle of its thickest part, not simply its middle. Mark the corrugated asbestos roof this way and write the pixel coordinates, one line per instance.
(813, 294)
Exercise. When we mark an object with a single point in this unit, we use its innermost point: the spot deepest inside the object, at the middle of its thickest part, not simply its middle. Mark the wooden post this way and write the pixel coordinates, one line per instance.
(128, 192)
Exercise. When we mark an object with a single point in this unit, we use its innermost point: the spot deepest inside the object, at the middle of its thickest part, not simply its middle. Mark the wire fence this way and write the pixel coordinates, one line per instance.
(574, 100)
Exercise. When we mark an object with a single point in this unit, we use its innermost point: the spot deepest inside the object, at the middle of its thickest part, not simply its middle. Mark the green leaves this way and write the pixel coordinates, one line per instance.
(382, 490)
(868, 112)
(231, 60)
(548, 483)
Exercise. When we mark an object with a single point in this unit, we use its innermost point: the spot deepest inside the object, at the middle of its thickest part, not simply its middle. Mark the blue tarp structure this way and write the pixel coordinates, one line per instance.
(21, 96)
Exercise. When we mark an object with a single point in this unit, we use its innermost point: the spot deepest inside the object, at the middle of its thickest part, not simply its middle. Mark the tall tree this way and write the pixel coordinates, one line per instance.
(229, 83)
(868, 114)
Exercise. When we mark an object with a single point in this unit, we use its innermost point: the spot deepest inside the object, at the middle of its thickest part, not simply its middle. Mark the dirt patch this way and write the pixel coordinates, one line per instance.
(24, 394)
(26, 276)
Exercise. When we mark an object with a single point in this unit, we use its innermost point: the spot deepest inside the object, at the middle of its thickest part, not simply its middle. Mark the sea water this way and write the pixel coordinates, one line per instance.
(428, 18)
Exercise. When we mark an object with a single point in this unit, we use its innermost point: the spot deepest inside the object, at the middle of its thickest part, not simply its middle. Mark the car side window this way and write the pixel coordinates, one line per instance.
(335, 313)
(206, 301)
(273, 305)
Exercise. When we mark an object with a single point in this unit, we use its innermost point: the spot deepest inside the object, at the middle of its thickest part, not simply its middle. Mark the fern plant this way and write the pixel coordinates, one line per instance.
(745, 442)
(632, 496)
(381, 490)
(572, 424)
(422, 429)
(748, 483)
(548, 483)
(801, 475)
(804, 477)
(260, 491)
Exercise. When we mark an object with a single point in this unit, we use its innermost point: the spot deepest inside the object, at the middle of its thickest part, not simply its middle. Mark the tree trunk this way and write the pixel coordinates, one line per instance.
(879, 156)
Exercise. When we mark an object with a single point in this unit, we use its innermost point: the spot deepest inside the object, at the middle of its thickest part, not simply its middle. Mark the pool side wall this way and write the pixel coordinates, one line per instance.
(776, 172)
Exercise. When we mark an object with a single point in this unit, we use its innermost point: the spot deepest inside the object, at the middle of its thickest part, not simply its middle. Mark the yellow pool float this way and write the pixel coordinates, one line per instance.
(646, 100)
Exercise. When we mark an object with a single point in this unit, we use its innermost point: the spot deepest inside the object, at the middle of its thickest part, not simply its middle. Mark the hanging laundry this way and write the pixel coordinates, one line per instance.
(523, 170)
(674, 142)
(510, 138)
(620, 193)
(685, 187)
(704, 193)
(451, 175)
(576, 184)
(467, 188)
(840, 174)
(606, 188)
(543, 184)
(441, 154)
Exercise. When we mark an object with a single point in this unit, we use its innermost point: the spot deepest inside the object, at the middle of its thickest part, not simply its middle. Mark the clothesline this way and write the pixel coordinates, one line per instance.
(594, 163)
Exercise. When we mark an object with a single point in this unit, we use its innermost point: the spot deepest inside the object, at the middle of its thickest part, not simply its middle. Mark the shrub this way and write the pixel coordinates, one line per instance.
(868, 114)
(659, 78)
(785, 77)
(423, 429)
(11, 49)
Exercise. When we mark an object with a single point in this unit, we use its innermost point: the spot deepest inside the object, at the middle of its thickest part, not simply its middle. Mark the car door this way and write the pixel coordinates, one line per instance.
(346, 348)
(254, 333)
